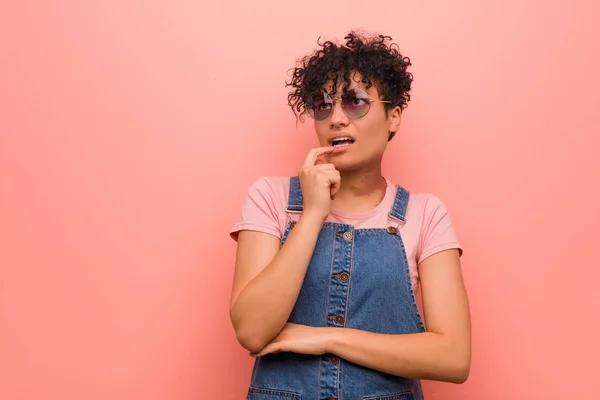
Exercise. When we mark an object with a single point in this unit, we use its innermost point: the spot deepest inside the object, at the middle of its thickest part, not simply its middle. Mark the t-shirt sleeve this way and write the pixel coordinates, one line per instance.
(437, 231)
(260, 210)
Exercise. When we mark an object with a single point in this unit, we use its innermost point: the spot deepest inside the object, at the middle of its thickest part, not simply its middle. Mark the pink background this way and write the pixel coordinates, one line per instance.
(130, 132)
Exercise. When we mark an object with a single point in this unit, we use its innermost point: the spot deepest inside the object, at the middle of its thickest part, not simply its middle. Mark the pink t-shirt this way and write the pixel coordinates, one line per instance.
(428, 227)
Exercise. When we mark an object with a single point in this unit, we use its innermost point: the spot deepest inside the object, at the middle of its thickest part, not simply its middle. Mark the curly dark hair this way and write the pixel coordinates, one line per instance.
(377, 59)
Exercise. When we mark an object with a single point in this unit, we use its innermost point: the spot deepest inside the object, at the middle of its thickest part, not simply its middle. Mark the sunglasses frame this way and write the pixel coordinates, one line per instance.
(366, 97)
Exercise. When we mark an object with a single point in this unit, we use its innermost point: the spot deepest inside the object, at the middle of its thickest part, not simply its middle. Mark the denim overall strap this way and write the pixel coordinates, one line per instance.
(295, 196)
(400, 205)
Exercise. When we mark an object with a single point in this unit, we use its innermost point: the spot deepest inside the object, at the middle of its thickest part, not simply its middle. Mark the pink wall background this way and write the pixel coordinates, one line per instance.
(130, 131)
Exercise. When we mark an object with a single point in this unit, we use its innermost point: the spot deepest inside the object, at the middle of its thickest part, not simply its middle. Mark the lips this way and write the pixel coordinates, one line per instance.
(342, 141)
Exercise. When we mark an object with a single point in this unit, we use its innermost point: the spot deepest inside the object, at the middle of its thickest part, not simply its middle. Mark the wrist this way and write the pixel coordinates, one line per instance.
(313, 218)
(332, 339)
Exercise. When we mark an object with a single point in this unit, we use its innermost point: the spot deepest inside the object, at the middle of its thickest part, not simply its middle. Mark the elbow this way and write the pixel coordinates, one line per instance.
(459, 376)
(250, 341)
(457, 361)
(460, 370)
(248, 335)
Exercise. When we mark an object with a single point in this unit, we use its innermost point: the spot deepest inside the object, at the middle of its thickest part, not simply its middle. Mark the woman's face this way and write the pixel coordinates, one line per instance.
(369, 134)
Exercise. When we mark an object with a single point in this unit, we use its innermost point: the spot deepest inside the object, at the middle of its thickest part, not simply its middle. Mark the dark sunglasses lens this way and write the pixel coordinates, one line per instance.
(356, 103)
(321, 107)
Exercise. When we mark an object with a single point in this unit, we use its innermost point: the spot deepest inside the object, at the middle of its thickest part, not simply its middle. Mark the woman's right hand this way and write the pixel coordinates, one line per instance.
(319, 183)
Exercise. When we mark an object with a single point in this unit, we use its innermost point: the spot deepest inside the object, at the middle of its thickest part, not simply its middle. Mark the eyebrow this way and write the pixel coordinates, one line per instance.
(349, 88)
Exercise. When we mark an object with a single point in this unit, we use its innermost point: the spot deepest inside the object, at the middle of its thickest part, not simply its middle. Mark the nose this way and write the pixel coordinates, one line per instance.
(338, 116)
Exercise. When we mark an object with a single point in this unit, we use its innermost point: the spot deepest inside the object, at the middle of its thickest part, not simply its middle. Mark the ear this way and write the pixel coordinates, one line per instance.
(394, 117)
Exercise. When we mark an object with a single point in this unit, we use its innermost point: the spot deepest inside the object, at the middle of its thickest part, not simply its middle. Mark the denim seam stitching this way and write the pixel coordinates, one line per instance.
(406, 269)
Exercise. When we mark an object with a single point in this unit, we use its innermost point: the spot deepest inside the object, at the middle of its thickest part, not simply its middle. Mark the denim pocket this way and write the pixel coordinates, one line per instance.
(396, 396)
(256, 393)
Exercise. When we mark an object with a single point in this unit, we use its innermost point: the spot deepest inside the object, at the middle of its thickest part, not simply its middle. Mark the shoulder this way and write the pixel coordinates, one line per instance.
(425, 203)
(270, 191)
(277, 186)
(264, 206)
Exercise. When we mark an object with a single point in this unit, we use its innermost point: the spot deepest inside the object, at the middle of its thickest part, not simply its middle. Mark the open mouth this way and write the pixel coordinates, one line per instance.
(342, 142)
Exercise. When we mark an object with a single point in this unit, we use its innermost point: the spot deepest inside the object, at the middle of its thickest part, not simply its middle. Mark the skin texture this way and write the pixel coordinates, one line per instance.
(268, 279)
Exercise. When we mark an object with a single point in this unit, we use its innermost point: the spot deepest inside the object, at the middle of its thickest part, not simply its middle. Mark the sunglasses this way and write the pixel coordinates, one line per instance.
(355, 104)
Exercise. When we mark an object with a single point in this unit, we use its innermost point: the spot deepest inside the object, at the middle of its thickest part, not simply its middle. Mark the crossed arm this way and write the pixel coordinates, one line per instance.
(266, 285)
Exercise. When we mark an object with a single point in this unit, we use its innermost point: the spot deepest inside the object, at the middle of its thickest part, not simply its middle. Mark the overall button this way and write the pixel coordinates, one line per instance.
(333, 359)
(344, 277)
(339, 319)
(347, 236)
(392, 229)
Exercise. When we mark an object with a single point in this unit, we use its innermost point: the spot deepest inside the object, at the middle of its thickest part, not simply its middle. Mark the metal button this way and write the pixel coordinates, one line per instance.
(392, 229)
(344, 277)
(339, 319)
(347, 236)
(334, 359)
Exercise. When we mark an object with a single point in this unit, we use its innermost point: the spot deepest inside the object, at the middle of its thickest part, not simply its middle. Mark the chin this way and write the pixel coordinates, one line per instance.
(346, 164)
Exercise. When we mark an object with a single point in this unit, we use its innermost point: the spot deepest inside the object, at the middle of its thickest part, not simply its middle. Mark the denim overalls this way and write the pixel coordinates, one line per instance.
(357, 278)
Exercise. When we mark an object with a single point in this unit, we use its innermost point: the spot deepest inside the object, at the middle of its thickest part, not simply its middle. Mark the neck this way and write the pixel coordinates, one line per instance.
(360, 191)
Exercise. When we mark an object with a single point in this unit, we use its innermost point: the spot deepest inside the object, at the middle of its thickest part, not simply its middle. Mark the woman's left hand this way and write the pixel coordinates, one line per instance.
(296, 338)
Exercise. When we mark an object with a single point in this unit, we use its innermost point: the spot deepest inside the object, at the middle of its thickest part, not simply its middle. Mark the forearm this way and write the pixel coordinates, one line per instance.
(264, 305)
(426, 355)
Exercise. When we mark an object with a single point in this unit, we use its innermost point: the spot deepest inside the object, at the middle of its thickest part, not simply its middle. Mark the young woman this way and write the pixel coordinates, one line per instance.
(329, 261)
